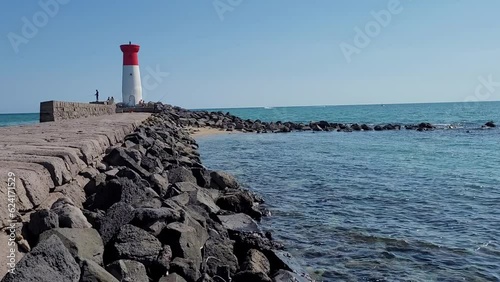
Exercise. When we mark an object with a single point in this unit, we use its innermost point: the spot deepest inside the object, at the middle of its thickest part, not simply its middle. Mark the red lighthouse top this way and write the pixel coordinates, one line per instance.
(130, 54)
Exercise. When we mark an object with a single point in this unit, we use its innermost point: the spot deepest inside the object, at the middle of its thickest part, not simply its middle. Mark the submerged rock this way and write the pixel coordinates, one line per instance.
(490, 124)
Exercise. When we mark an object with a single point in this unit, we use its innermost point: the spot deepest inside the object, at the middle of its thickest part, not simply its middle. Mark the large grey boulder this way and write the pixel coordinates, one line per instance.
(120, 157)
(135, 192)
(181, 174)
(239, 222)
(184, 241)
(128, 271)
(286, 276)
(219, 253)
(117, 215)
(203, 198)
(155, 220)
(83, 243)
(136, 244)
(250, 276)
(222, 180)
(92, 272)
(284, 260)
(69, 215)
(173, 277)
(49, 261)
(256, 261)
(185, 268)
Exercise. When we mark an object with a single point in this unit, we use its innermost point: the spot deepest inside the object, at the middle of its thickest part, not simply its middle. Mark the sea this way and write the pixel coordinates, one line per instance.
(377, 206)
(373, 206)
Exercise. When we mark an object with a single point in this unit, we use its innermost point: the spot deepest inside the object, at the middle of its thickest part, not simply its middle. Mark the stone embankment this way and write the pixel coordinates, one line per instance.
(49, 161)
(228, 122)
(149, 212)
(59, 110)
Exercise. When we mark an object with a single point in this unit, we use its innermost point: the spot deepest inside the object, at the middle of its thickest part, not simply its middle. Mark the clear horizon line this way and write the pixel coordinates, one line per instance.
(296, 106)
(337, 105)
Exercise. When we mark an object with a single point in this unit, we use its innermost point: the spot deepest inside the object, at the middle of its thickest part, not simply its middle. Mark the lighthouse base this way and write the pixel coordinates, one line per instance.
(131, 85)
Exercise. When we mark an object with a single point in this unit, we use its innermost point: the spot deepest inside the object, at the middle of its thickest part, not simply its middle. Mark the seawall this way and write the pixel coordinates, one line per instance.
(50, 160)
(58, 110)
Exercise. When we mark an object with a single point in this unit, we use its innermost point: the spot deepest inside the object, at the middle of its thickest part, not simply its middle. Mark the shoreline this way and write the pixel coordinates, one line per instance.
(199, 132)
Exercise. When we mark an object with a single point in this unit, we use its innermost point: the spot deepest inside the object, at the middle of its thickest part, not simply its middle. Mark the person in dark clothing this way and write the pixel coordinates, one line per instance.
(97, 95)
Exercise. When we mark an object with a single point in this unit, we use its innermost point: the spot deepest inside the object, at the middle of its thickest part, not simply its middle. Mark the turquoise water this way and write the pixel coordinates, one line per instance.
(439, 113)
(18, 119)
(377, 206)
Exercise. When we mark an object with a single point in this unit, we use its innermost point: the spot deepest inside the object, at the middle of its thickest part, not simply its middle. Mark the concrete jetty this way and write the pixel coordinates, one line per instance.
(48, 158)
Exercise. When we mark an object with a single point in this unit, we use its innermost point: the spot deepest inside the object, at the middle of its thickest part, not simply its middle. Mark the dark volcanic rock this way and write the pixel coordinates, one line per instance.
(284, 260)
(184, 241)
(174, 277)
(219, 253)
(366, 127)
(159, 184)
(239, 222)
(186, 268)
(128, 271)
(120, 157)
(47, 261)
(42, 220)
(222, 180)
(256, 261)
(181, 174)
(239, 201)
(92, 272)
(125, 190)
(287, 276)
(490, 124)
(136, 244)
(155, 220)
(118, 215)
(83, 243)
(249, 276)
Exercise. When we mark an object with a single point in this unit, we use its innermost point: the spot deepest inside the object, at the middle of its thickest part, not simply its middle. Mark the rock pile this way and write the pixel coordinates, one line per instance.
(226, 121)
(153, 212)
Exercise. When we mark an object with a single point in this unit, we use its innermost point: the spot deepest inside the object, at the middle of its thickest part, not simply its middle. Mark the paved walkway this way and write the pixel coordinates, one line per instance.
(47, 156)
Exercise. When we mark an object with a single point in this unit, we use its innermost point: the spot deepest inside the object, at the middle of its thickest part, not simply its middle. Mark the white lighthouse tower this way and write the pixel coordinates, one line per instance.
(131, 81)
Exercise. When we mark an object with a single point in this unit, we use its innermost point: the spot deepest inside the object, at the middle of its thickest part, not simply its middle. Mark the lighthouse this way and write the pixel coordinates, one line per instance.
(131, 80)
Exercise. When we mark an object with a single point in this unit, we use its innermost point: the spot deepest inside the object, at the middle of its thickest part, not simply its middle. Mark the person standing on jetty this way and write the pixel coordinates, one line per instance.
(97, 95)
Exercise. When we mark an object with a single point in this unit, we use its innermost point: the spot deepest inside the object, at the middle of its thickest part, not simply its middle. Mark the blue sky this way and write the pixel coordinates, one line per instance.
(256, 53)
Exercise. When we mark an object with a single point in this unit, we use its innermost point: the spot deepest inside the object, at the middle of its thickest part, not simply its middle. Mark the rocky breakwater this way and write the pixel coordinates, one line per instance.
(153, 212)
(228, 122)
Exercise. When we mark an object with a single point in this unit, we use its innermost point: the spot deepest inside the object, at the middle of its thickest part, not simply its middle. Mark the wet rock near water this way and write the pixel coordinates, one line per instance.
(153, 212)
(489, 124)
